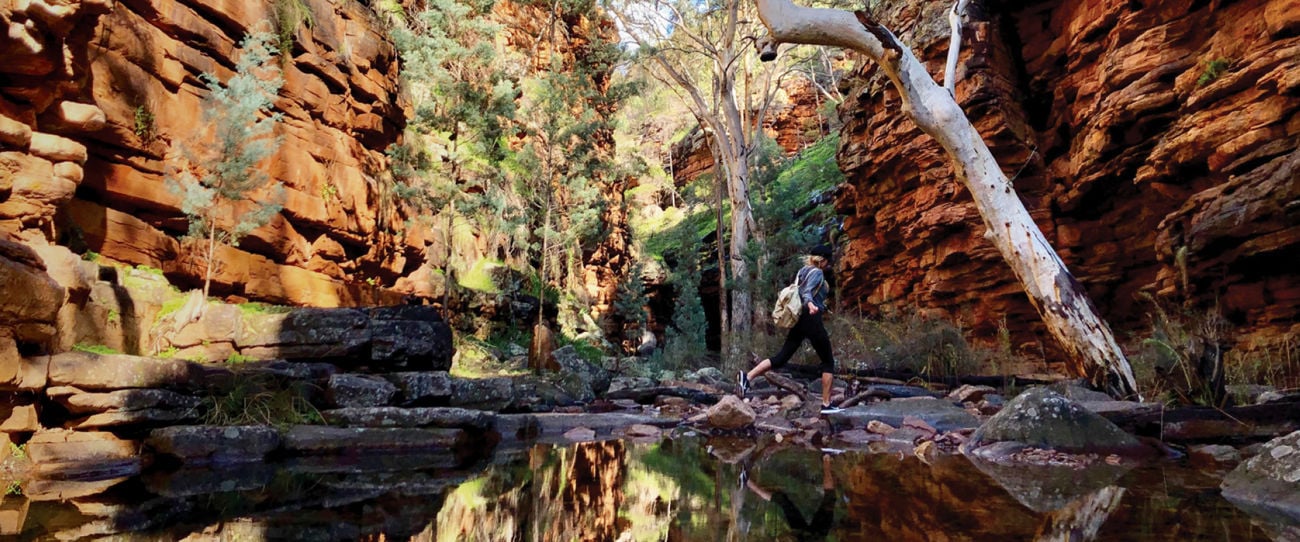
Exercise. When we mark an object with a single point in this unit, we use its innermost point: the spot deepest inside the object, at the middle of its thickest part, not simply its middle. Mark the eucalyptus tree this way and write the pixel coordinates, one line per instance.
(1059, 298)
(462, 88)
(223, 193)
(703, 51)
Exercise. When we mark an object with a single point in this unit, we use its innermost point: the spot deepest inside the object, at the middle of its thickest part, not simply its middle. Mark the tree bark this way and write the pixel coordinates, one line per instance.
(1059, 298)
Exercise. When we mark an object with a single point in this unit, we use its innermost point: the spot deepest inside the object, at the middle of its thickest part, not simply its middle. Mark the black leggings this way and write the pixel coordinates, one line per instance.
(809, 327)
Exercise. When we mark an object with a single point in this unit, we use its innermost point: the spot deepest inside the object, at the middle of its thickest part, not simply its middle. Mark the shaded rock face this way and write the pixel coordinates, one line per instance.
(1137, 164)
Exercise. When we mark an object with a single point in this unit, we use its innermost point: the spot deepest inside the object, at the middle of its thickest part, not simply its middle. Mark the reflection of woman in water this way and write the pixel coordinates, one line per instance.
(811, 529)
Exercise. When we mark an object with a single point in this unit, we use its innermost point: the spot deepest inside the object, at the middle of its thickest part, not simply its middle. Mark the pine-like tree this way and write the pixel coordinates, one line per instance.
(223, 193)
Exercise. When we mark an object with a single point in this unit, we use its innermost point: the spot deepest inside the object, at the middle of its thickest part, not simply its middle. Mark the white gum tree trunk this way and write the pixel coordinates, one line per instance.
(1059, 298)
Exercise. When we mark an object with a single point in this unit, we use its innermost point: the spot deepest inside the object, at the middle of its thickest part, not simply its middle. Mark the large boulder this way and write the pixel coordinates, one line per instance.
(1042, 418)
(305, 334)
(582, 380)
(1269, 483)
(731, 413)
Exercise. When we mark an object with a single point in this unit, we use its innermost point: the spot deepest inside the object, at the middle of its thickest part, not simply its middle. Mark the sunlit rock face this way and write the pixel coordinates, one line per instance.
(95, 96)
(1144, 170)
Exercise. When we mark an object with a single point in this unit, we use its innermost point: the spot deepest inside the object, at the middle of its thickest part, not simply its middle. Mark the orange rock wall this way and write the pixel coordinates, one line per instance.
(134, 66)
(1134, 169)
(94, 95)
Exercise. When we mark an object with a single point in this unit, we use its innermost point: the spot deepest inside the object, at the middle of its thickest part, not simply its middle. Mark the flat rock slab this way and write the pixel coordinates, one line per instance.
(89, 371)
(324, 440)
(204, 444)
(359, 391)
(554, 425)
(82, 402)
(135, 418)
(940, 414)
(447, 417)
(65, 446)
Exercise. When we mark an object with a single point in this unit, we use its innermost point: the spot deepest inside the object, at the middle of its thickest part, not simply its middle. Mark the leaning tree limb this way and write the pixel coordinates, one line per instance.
(1060, 299)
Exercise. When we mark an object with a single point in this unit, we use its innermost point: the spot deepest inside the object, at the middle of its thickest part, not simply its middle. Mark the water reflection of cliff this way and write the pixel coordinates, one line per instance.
(550, 493)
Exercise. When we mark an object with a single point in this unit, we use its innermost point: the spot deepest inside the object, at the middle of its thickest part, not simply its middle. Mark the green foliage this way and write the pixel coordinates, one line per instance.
(169, 353)
(329, 192)
(144, 124)
(1273, 363)
(236, 357)
(685, 341)
(479, 277)
(114, 317)
(15, 488)
(18, 451)
(95, 349)
(263, 308)
(90, 256)
(1182, 359)
(588, 352)
(1212, 70)
(223, 194)
(630, 299)
(910, 343)
(170, 306)
(259, 399)
(290, 15)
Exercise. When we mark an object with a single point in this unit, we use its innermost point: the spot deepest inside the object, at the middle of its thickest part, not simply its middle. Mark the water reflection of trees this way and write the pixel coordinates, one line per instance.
(550, 493)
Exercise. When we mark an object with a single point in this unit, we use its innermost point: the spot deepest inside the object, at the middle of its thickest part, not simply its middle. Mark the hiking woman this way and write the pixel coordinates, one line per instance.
(812, 292)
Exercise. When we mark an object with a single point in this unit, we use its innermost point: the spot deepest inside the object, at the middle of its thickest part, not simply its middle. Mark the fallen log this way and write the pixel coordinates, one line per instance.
(886, 376)
(787, 384)
(647, 396)
(1209, 424)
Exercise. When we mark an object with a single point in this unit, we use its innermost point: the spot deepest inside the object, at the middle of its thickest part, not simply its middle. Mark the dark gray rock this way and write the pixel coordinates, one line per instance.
(305, 334)
(1044, 488)
(629, 383)
(482, 393)
(1075, 391)
(191, 480)
(146, 417)
(79, 402)
(1042, 418)
(581, 379)
(324, 440)
(421, 388)
(1269, 483)
(410, 336)
(900, 392)
(209, 444)
(356, 391)
(940, 414)
(476, 420)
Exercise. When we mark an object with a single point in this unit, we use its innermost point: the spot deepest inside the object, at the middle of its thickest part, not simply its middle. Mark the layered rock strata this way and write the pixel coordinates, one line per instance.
(1154, 144)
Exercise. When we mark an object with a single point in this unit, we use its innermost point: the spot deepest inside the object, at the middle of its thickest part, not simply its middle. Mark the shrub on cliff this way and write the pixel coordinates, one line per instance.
(223, 193)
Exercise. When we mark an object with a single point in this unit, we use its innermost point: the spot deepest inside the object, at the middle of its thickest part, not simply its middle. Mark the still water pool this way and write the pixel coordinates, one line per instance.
(683, 489)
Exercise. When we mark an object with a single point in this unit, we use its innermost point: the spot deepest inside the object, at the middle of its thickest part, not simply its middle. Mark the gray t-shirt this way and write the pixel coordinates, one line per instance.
(813, 287)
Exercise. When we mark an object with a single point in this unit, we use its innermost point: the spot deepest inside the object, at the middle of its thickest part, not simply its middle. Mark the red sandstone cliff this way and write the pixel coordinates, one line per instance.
(1124, 151)
(93, 94)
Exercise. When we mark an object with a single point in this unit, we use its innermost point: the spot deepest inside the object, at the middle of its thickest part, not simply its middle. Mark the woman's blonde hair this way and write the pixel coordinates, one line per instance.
(813, 260)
